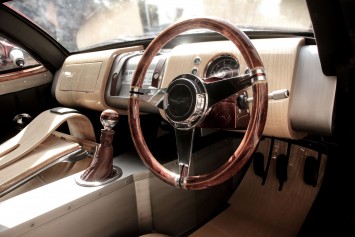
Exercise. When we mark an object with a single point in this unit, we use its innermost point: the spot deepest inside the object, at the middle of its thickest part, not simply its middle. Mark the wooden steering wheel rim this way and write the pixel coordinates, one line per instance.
(256, 123)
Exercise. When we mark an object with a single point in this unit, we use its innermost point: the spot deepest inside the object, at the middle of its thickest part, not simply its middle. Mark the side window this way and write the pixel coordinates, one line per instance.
(13, 57)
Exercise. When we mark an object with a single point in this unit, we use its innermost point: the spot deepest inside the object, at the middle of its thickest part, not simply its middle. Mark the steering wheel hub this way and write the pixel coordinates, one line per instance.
(185, 102)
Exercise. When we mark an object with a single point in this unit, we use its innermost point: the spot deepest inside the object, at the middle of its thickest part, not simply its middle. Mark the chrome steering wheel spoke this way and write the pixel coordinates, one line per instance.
(152, 95)
(219, 89)
(184, 144)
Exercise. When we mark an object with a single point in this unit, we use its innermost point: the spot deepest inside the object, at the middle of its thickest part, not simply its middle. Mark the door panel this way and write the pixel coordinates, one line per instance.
(25, 89)
(30, 101)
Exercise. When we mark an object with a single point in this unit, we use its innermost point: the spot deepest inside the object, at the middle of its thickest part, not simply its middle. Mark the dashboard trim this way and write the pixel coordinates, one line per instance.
(94, 99)
(282, 58)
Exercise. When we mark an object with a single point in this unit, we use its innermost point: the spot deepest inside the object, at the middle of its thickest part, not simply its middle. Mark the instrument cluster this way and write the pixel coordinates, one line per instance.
(224, 66)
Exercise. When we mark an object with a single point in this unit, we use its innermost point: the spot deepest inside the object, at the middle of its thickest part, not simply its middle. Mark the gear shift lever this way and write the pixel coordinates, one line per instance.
(101, 169)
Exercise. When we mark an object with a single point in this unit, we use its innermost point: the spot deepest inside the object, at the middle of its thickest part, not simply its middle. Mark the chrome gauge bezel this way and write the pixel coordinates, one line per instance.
(220, 59)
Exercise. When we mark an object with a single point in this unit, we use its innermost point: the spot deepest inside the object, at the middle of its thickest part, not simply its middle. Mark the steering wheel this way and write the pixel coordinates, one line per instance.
(188, 99)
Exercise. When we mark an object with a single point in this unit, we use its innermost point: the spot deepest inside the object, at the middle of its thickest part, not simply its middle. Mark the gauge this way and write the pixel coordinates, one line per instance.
(224, 66)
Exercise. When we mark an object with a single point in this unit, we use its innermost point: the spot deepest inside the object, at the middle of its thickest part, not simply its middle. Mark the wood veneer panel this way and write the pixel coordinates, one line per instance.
(263, 210)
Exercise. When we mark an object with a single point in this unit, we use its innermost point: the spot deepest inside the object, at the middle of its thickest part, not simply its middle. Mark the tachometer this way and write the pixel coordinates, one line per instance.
(224, 66)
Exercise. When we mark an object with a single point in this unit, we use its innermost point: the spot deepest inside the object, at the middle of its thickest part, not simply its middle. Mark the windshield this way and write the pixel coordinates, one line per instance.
(81, 24)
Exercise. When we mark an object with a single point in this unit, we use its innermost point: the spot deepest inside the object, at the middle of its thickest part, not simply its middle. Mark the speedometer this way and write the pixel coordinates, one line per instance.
(224, 66)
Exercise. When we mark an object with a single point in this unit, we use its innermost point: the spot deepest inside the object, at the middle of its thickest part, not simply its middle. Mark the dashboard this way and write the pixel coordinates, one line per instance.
(301, 97)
